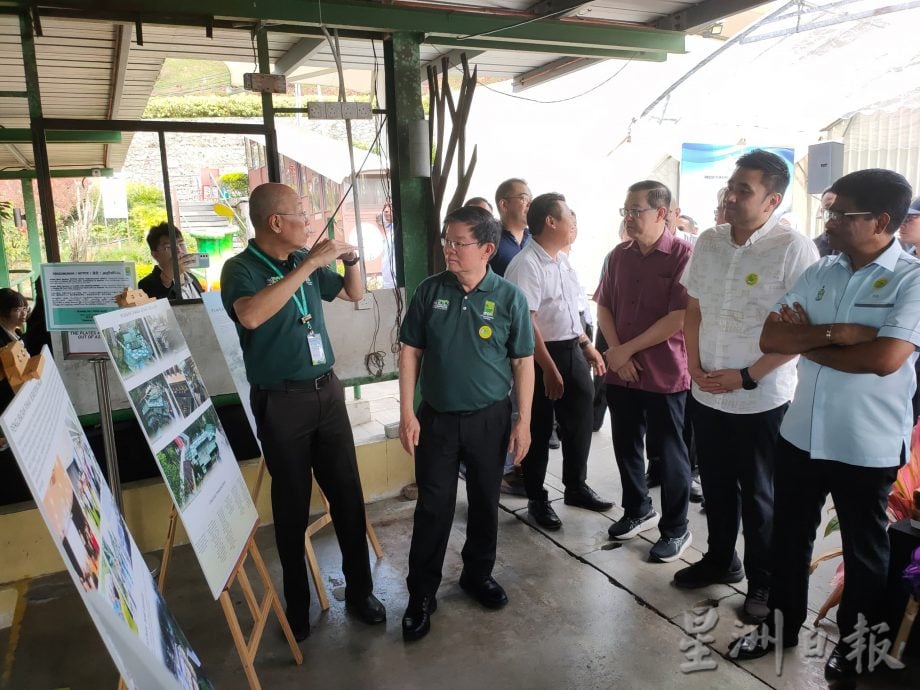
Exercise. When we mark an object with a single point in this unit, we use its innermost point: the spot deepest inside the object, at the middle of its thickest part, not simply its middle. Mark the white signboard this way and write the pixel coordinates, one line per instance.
(76, 292)
(114, 197)
(49, 445)
(229, 341)
(153, 362)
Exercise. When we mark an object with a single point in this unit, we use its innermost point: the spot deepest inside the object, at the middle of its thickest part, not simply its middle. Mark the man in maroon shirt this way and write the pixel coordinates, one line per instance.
(640, 311)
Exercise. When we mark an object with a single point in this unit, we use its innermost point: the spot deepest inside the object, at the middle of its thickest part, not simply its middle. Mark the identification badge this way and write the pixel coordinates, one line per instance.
(317, 353)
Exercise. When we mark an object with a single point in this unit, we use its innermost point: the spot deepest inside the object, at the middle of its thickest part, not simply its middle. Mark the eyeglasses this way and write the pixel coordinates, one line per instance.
(634, 212)
(303, 214)
(838, 216)
(453, 244)
(526, 198)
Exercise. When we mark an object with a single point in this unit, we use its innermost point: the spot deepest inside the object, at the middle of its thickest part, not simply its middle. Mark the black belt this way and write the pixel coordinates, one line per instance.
(562, 343)
(295, 385)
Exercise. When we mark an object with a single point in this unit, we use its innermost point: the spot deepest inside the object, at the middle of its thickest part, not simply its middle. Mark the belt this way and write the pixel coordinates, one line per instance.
(562, 343)
(295, 385)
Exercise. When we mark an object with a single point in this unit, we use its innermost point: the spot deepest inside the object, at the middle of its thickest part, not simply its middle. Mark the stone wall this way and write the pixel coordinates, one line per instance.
(187, 154)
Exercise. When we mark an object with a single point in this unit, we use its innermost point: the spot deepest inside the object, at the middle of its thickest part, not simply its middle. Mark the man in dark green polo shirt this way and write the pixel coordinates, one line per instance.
(467, 333)
(273, 290)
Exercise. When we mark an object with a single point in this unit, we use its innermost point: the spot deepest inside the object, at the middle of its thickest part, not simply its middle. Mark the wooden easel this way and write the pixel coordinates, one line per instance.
(312, 529)
(260, 611)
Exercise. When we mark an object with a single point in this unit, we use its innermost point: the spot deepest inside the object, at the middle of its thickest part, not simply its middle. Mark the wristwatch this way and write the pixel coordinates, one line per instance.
(747, 383)
(583, 344)
(351, 262)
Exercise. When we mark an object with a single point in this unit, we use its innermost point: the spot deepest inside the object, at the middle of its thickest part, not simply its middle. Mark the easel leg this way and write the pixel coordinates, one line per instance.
(275, 601)
(167, 548)
(257, 487)
(316, 574)
(372, 536)
(241, 647)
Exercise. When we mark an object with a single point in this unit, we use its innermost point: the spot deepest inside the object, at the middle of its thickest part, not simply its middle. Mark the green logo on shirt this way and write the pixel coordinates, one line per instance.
(880, 283)
(751, 279)
(271, 280)
(441, 304)
(488, 311)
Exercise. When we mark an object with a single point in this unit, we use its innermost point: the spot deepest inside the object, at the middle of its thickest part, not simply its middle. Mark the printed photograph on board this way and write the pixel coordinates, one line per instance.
(131, 345)
(186, 386)
(156, 408)
(188, 459)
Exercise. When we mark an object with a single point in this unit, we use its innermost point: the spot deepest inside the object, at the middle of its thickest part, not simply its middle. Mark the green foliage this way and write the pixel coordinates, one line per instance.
(237, 105)
(146, 208)
(6, 210)
(140, 193)
(234, 185)
(832, 526)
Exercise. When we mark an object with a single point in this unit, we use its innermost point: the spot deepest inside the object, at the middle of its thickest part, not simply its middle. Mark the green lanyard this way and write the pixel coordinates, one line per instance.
(305, 316)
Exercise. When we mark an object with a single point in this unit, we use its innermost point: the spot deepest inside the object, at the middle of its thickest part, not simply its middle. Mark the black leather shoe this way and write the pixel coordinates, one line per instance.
(300, 626)
(585, 497)
(369, 609)
(485, 590)
(416, 620)
(543, 514)
(749, 647)
(838, 667)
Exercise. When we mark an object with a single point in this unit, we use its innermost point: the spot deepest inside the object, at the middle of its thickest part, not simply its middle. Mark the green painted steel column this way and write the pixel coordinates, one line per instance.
(413, 210)
(4, 269)
(39, 139)
(268, 110)
(35, 243)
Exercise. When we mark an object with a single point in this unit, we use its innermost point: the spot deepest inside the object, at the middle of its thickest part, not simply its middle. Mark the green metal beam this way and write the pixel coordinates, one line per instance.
(349, 14)
(483, 44)
(413, 209)
(76, 172)
(35, 242)
(24, 136)
(4, 269)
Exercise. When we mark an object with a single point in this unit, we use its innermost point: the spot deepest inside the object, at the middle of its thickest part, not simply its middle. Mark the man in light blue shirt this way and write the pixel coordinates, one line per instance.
(855, 320)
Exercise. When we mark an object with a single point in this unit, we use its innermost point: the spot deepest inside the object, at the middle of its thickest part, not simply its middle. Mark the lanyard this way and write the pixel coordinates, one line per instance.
(301, 303)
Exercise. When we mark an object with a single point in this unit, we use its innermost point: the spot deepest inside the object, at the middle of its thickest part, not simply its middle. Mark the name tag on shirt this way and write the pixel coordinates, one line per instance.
(317, 352)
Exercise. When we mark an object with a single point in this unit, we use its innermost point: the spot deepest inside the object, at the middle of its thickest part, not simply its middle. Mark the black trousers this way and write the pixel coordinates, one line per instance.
(860, 497)
(303, 431)
(736, 455)
(573, 412)
(653, 452)
(480, 440)
(634, 415)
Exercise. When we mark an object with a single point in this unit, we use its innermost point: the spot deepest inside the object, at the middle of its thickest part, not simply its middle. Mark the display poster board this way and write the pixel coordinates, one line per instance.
(156, 369)
(229, 340)
(76, 292)
(141, 635)
(705, 169)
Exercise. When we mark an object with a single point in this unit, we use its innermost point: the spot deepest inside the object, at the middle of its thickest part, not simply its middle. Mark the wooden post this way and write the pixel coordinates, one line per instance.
(910, 615)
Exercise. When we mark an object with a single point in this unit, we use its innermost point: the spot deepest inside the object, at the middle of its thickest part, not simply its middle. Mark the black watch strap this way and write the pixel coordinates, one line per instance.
(747, 383)
(352, 262)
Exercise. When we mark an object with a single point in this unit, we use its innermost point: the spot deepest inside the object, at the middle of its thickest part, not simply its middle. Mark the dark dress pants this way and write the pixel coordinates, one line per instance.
(574, 414)
(480, 440)
(860, 496)
(634, 415)
(305, 433)
(736, 455)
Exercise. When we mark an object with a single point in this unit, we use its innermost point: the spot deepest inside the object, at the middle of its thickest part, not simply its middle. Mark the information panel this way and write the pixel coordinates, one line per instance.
(141, 635)
(153, 362)
(76, 292)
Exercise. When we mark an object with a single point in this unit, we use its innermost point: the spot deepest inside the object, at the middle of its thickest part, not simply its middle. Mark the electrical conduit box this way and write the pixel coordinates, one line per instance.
(337, 110)
(264, 83)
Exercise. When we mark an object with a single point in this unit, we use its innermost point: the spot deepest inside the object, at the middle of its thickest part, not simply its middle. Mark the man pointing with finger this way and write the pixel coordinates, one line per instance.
(466, 334)
(274, 291)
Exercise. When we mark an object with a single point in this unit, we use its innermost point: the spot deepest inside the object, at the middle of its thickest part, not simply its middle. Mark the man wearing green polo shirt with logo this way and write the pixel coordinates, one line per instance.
(273, 291)
(467, 333)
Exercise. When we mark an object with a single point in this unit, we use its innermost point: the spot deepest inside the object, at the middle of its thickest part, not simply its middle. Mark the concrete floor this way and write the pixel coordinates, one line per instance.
(584, 613)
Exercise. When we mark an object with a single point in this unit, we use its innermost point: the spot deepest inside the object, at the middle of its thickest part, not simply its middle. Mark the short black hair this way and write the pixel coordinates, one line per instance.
(542, 206)
(877, 191)
(658, 195)
(692, 223)
(11, 299)
(477, 200)
(157, 232)
(774, 169)
(506, 187)
(483, 224)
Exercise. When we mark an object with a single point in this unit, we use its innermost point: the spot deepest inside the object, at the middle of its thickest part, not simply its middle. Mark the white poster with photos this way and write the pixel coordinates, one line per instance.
(140, 633)
(171, 403)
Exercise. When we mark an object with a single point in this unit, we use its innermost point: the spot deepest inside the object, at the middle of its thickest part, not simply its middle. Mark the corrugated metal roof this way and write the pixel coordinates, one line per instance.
(77, 64)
